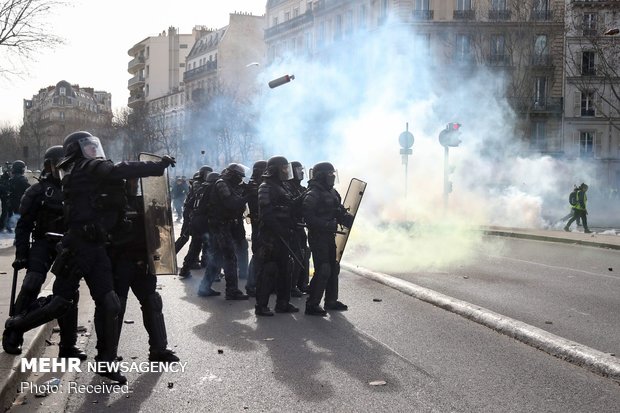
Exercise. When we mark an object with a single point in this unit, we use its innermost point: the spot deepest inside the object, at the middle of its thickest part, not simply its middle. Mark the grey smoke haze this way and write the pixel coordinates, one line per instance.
(350, 106)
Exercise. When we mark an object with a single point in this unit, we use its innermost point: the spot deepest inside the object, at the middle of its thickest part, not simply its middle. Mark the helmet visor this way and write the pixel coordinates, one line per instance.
(91, 148)
(285, 172)
(312, 175)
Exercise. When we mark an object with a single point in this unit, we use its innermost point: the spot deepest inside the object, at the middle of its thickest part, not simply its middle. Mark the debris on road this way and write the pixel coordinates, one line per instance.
(377, 300)
(128, 321)
(378, 383)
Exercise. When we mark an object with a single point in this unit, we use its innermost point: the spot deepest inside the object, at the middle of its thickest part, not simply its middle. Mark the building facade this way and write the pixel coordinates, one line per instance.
(58, 110)
(592, 87)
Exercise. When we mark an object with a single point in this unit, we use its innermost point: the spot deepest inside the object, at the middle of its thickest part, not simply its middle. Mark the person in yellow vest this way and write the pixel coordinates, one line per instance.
(580, 210)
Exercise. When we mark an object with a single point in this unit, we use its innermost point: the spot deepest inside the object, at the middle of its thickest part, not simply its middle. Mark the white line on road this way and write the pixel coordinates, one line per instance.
(558, 268)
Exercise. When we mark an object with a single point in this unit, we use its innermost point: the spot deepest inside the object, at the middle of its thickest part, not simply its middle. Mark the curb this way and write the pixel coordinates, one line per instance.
(9, 382)
(596, 361)
(550, 239)
(34, 341)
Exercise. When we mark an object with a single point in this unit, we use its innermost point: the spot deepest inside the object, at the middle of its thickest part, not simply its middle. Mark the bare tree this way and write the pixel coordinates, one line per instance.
(9, 140)
(23, 29)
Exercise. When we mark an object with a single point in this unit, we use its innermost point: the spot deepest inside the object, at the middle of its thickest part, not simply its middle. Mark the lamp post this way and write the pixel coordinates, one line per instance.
(406, 142)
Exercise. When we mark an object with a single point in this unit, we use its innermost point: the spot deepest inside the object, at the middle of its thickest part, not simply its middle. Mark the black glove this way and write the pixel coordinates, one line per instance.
(20, 263)
(347, 220)
(332, 226)
(168, 161)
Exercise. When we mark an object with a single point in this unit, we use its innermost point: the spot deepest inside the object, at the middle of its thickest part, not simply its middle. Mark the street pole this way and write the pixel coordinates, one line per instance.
(406, 142)
(446, 152)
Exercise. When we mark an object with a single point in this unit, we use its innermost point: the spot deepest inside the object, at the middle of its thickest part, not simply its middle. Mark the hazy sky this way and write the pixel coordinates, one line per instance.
(97, 36)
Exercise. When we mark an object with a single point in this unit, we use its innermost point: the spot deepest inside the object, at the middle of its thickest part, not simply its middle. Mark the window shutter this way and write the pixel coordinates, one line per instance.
(572, 149)
(598, 108)
(598, 144)
(577, 103)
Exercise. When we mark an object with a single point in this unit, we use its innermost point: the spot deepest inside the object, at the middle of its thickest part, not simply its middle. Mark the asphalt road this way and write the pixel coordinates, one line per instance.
(569, 290)
(431, 360)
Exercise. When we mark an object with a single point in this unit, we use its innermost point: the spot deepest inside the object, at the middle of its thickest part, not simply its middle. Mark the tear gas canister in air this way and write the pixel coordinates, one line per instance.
(281, 80)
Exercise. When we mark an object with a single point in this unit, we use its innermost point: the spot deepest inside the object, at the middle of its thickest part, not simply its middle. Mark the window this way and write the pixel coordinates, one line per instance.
(589, 24)
(541, 5)
(498, 49)
(338, 28)
(587, 103)
(148, 51)
(540, 92)
(62, 91)
(541, 10)
(62, 115)
(296, 12)
(421, 10)
(538, 138)
(275, 21)
(588, 67)
(363, 16)
(463, 5)
(462, 50)
(287, 16)
(182, 46)
(421, 5)
(498, 5)
(586, 144)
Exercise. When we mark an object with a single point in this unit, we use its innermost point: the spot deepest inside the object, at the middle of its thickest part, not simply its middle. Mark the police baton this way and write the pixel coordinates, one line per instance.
(13, 288)
(288, 247)
(302, 225)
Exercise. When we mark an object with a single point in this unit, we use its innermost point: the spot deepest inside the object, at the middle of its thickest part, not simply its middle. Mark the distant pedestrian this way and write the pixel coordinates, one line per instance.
(580, 209)
(572, 200)
(179, 192)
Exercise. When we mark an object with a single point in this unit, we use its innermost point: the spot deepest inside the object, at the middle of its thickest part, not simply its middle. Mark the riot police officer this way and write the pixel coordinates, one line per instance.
(227, 205)
(41, 212)
(275, 235)
(251, 190)
(192, 230)
(17, 186)
(323, 211)
(203, 213)
(128, 253)
(300, 274)
(91, 210)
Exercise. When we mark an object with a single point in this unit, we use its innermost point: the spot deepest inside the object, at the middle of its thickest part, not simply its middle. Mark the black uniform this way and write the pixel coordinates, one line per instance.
(275, 233)
(322, 210)
(192, 229)
(227, 205)
(92, 209)
(300, 275)
(251, 192)
(41, 211)
(128, 253)
(17, 186)
(4, 199)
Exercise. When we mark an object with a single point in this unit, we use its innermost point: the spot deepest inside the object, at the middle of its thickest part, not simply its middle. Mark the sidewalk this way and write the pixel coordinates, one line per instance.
(34, 340)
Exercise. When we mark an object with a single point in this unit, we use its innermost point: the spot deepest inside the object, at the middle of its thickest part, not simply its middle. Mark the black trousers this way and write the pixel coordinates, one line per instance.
(275, 271)
(326, 268)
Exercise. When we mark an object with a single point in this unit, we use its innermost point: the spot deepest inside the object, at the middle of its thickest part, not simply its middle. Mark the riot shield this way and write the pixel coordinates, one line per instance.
(351, 203)
(158, 221)
(32, 176)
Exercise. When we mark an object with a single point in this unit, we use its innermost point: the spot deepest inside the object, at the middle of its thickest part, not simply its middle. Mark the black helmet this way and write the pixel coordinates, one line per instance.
(258, 169)
(52, 156)
(18, 167)
(324, 172)
(204, 171)
(212, 177)
(278, 166)
(235, 172)
(81, 144)
(298, 170)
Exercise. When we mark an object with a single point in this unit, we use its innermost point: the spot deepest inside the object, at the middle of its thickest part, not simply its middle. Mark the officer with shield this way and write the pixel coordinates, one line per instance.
(41, 212)
(91, 211)
(323, 211)
(128, 253)
(251, 191)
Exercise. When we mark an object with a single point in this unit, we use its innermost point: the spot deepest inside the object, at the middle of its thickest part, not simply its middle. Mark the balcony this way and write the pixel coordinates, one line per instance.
(588, 71)
(464, 14)
(543, 60)
(423, 14)
(210, 66)
(499, 14)
(135, 64)
(135, 99)
(291, 24)
(541, 15)
(589, 32)
(550, 106)
(137, 80)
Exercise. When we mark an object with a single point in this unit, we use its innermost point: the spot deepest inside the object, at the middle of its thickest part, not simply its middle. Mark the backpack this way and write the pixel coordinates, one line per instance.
(572, 198)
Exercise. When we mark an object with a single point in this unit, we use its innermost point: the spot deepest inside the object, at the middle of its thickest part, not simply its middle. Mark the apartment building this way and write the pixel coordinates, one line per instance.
(225, 58)
(592, 84)
(60, 109)
(157, 65)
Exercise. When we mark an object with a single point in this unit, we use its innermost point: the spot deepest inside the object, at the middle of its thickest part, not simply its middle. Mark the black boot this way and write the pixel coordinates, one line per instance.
(71, 352)
(12, 341)
(155, 326)
(68, 333)
(236, 295)
(166, 355)
(263, 310)
(336, 306)
(286, 308)
(315, 310)
(185, 272)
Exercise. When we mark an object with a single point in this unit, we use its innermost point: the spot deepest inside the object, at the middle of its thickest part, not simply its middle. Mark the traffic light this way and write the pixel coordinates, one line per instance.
(449, 136)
